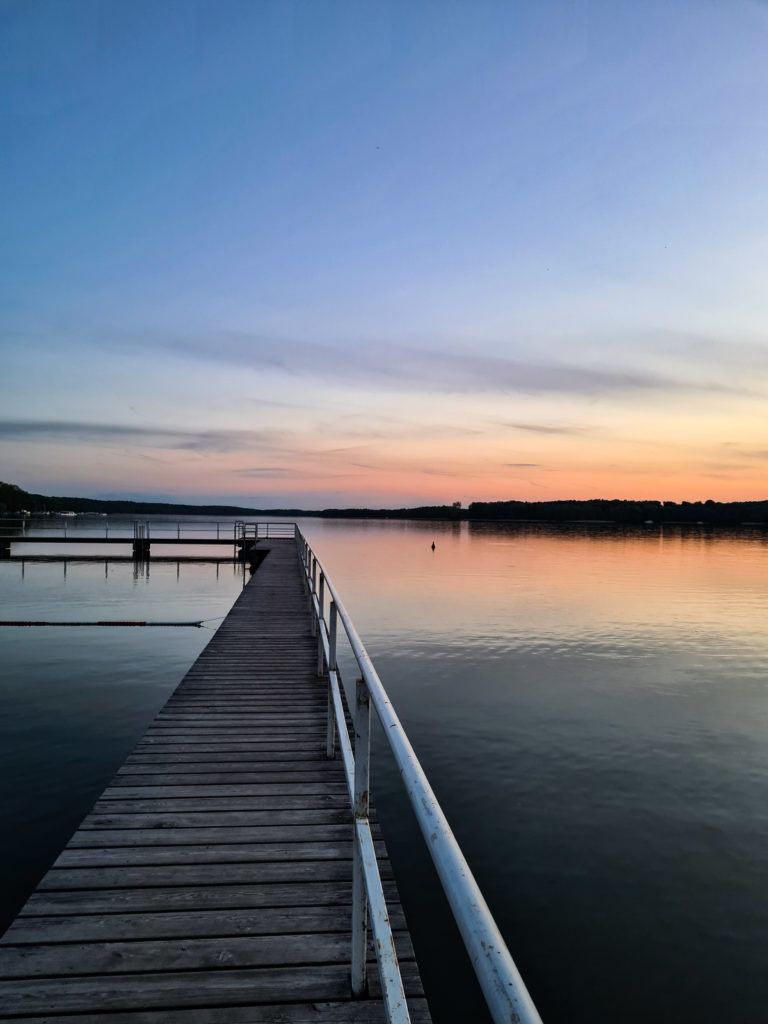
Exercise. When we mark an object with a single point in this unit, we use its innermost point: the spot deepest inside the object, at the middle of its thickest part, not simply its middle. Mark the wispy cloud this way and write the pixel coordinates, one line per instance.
(266, 471)
(391, 366)
(543, 428)
(359, 427)
(63, 432)
(754, 453)
(521, 465)
(748, 354)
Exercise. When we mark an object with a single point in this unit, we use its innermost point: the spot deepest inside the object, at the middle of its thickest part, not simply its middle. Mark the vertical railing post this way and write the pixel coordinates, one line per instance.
(320, 600)
(330, 732)
(362, 723)
(312, 592)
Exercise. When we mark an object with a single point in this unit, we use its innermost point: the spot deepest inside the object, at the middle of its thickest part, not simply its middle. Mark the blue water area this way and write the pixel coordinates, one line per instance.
(590, 706)
(592, 709)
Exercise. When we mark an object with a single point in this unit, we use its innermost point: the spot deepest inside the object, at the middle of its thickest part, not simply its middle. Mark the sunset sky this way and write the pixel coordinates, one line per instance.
(334, 253)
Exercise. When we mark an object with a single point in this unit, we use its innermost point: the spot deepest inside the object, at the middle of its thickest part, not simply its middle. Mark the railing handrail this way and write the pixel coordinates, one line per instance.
(145, 531)
(127, 524)
(504, 990)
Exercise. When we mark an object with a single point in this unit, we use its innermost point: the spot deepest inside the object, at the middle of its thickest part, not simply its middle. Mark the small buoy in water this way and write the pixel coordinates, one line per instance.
(433, 545)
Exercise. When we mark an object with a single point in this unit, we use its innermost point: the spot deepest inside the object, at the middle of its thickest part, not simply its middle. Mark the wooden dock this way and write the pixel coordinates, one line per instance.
(211, 882)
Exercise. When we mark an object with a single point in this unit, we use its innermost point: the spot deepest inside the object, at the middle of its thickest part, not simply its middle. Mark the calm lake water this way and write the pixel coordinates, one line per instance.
(590, 705)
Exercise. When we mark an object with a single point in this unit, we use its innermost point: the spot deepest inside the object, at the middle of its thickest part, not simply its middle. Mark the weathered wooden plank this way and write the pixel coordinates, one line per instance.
(248, 674)
(210, 836)
(209, 711)
(275, 758)
(275, 726)
(243, 671)
(334, 867)
(219, 672)
(255, 747)
(225, 789)
(230, 708)
(319, 768)
(227, 661)
(208, 735)
(364, 1011)
(115, 901)
(257, 692)
(228, 719)
(189, 954)
(252, 691)
(153, 805)
(258, 696)
(184, 923)
(278, 724)
(296, 700)
(216, 819)
(217, 778)
(220, 853)
(253, 678)
(294, 671)
(326, 982)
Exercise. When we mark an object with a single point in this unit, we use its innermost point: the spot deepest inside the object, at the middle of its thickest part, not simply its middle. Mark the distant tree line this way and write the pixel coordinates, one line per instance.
(619, 511)
(13, 500)
(417, 512)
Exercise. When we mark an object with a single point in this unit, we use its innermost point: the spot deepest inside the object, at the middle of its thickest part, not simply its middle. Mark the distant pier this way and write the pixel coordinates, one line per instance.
(240, 536)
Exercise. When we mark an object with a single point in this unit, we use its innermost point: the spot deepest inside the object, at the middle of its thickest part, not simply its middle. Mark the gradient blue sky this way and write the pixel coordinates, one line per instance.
(338, 253)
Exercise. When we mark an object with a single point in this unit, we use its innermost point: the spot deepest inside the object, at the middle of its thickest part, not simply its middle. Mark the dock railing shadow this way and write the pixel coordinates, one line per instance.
(505, 993)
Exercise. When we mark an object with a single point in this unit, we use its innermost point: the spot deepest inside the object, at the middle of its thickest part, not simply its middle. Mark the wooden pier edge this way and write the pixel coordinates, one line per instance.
(211, 882)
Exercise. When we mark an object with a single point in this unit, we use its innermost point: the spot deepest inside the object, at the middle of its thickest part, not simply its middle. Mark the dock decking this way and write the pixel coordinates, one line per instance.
(211, 882)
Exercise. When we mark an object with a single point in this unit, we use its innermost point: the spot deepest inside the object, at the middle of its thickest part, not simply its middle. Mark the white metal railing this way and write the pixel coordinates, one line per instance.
(85, 523)
(504, 990)
(256, 531)
(156, 530)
